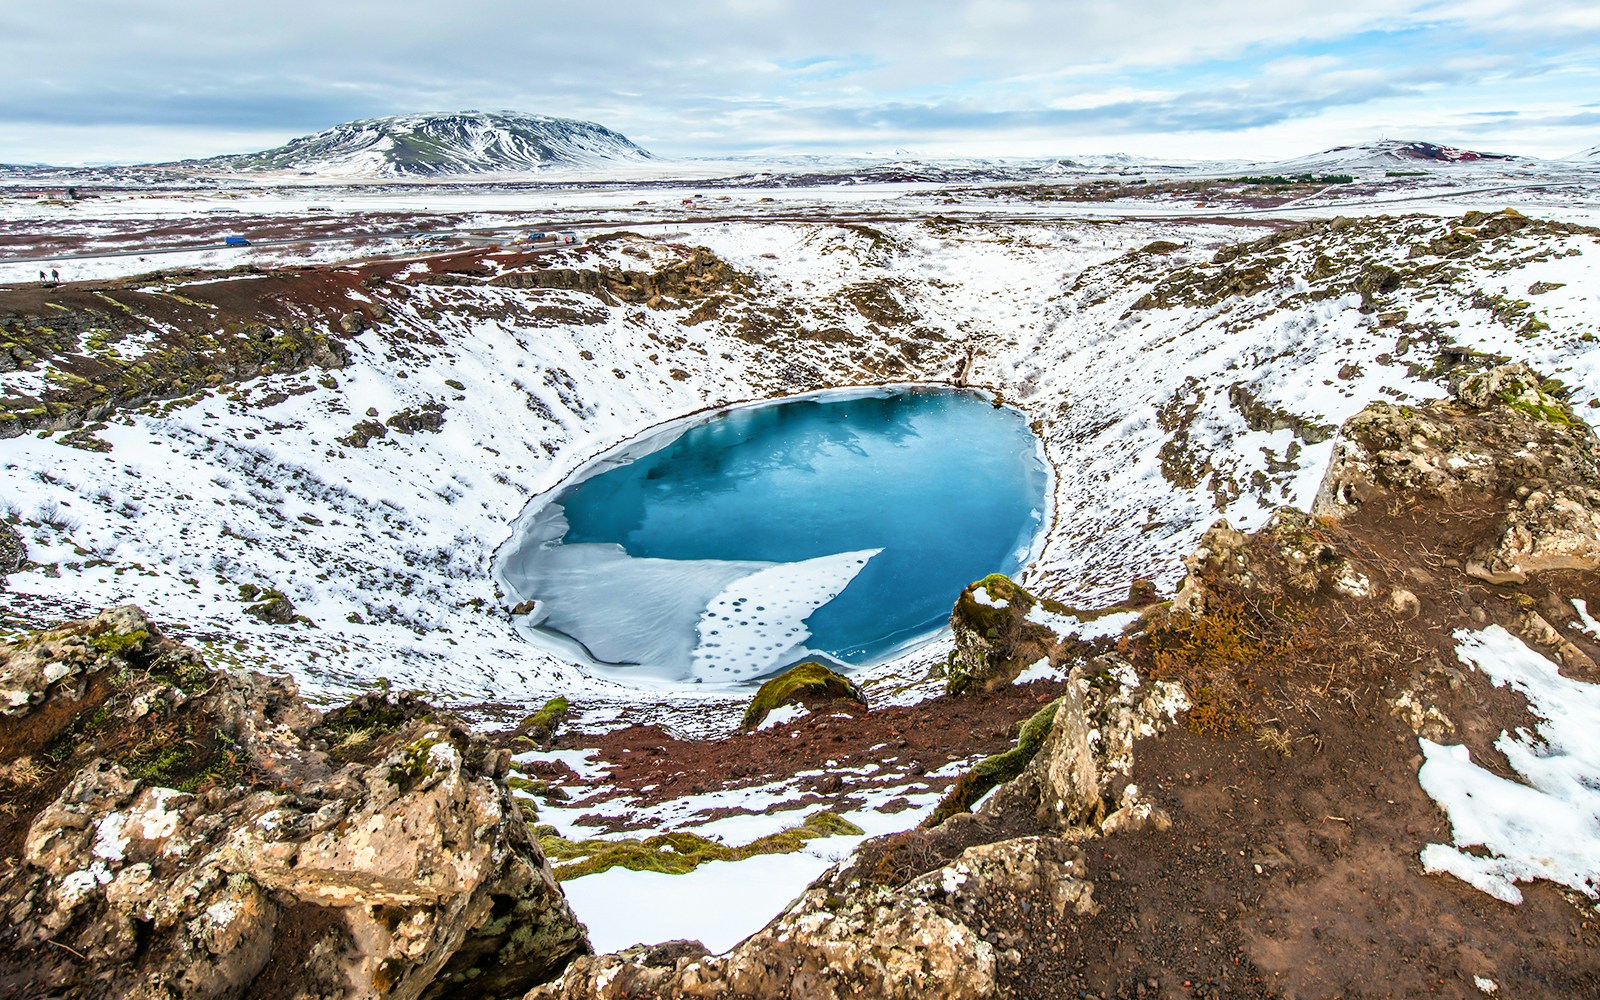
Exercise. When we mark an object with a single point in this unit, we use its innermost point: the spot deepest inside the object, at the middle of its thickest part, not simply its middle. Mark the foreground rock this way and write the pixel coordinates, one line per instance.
(177, 831)
(850, 935)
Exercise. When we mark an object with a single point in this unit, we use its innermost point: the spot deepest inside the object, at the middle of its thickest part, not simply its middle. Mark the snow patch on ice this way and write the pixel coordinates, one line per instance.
(1546, 826)
(758, 620)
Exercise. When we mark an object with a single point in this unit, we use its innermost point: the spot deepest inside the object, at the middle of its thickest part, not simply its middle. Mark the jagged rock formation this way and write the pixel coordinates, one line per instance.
(178, 831)
(1507, 448)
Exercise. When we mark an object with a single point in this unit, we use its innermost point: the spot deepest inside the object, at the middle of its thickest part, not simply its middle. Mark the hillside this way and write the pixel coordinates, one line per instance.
(1390, 154)
(468, 142)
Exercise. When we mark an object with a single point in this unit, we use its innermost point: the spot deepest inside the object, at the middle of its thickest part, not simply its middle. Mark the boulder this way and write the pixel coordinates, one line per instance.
(186, 832)
(810, 684)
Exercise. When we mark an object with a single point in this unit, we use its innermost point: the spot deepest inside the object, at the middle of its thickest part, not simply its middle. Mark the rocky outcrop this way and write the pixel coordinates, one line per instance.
(944, 934)
(178, 831)
(698, 275)
(13, 551)
(1076, 781)
(994, 638)
(1504, 449)
(1290, 557)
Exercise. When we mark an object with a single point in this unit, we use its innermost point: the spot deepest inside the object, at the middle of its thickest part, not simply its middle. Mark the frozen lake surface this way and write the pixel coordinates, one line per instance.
(723, 548)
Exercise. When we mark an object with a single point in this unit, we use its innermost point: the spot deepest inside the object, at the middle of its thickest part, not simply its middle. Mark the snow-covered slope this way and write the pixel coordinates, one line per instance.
(469, 142)
(1590, 155)
(1172, 383)
(1387, 154)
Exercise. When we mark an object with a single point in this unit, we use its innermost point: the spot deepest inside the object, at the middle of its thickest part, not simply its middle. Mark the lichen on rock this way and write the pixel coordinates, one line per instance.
(188, 832)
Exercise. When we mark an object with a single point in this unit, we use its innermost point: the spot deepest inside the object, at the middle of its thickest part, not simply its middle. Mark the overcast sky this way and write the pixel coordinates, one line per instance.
(139, 80)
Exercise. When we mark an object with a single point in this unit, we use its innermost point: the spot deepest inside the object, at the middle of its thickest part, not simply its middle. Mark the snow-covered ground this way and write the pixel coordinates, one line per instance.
(1151, 415)
(1545, 826)
(1163, 403)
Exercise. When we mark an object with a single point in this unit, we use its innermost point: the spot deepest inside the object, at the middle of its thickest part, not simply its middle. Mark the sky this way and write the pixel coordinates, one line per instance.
(95, 81)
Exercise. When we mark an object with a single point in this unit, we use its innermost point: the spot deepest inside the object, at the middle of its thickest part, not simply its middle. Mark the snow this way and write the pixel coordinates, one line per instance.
(782, 716)
(981, 596)
(1544, 826)
(713, 904)
(1585, 622)
(1040, 670)
(1101, 626)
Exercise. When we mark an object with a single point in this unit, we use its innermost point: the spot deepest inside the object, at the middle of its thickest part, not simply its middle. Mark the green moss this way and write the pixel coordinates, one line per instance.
(1001, 589)
(114, 643)
(416, 763)
(995, 770)
(1540, 407)
(550, 716)
(679, 853)
(808, 678)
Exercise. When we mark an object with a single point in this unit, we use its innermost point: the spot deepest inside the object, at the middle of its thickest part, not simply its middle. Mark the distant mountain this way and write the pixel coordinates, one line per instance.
(469, 142)
(1391, 154)
(1590, 155)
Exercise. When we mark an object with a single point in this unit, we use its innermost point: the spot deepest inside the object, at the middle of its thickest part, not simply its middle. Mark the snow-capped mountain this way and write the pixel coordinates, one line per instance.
(1388, 154)
(1590, 155)
(468, 142)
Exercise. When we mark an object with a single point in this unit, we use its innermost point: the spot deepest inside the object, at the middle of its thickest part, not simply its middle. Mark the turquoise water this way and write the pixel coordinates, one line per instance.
(844, 526)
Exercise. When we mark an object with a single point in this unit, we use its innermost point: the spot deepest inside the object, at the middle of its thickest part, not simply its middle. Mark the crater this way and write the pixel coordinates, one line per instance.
(724, 547)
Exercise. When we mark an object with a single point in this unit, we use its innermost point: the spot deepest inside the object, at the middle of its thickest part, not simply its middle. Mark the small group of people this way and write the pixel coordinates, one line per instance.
(53, 278)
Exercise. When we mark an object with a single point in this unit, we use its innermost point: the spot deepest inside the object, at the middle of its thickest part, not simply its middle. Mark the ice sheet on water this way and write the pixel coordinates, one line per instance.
(713, 620)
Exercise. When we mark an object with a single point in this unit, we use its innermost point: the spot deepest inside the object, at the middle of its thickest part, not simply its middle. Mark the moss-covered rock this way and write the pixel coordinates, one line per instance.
(807, 683)
(994, 640)
(539, 728)
(996, 770)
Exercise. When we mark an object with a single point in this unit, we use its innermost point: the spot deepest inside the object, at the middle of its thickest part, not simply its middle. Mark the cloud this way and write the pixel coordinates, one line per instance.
(722, 75)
